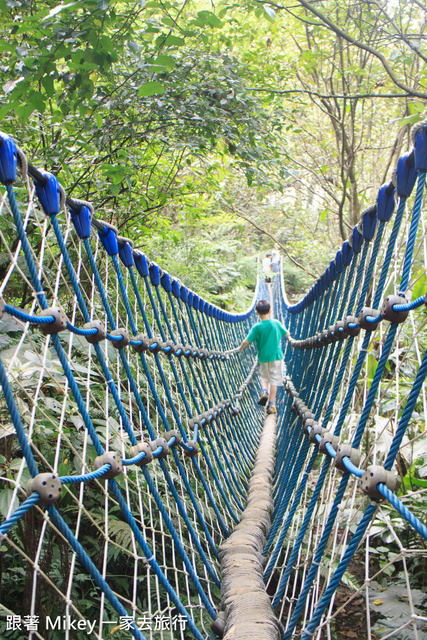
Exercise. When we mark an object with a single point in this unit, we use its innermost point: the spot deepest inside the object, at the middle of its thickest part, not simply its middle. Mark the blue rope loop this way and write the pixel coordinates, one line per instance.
(415, 304)
(18, 513)
(93, 475)
(25, 317)
(81, 332)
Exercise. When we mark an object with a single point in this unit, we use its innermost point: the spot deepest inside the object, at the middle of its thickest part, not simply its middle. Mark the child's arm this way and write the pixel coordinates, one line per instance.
(244, 344)
(287, 335)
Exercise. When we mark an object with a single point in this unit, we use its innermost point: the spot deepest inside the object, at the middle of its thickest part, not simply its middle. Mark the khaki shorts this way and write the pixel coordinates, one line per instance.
(272, 372)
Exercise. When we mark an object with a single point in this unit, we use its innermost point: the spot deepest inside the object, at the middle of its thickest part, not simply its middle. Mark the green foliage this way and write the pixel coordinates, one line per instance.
(128, 98)
(175, 121)
(142, 108)
(211, 262)
(293, 277)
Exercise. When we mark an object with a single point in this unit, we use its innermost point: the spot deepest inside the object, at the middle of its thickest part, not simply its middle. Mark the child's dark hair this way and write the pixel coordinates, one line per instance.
(262, 307)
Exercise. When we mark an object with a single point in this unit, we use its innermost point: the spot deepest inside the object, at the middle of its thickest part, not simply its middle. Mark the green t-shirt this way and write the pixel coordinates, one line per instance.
(267, 335)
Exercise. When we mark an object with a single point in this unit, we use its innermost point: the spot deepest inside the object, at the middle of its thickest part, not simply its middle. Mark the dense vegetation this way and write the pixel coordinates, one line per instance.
(179, 120)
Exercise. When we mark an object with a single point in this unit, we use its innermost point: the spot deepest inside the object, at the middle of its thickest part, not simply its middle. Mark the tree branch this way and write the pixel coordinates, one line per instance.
(365, 47)
(400, 33)
(285, 251)
(356, 96)
(422, 6)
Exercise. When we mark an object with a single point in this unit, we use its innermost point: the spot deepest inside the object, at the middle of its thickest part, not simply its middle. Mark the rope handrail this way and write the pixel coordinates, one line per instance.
(189, 449)
(321, 353)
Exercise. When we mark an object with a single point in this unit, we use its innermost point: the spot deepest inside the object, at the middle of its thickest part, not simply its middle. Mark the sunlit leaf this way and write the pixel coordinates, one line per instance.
(271, 14)
(151, 89)
(56, 10)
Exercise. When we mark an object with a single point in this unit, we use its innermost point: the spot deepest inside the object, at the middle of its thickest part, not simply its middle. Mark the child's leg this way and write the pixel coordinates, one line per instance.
(263, 399)
(273, 393)
(264, 377)
(275, 377)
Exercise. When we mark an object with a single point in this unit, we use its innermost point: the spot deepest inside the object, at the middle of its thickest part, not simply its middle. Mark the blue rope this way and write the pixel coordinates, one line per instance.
(25, 317)
(322, 476)
(163, 416)
(365, 413)
(17, 423)
(385, 492)
(406, 271)
(339, 572)
(91, 569)
(82, 332)
(105, 369)
(93, 475)
(419, 302)
(407, 413)
(201, 393)
(180, 547)
(25, 246)
(19, 512)
(404, 511)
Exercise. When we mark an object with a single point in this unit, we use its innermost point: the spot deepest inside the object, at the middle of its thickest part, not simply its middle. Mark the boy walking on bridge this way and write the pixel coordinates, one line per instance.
(267, 336)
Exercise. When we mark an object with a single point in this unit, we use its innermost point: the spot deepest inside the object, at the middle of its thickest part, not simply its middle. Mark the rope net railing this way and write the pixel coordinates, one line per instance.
(353, 431)
(130, 445)
(125, 453)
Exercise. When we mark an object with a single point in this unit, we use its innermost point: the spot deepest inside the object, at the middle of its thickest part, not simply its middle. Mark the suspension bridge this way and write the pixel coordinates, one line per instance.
(143, 491)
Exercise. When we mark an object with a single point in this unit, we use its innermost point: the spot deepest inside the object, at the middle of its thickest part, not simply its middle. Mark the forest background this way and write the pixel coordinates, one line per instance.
(207, 131)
